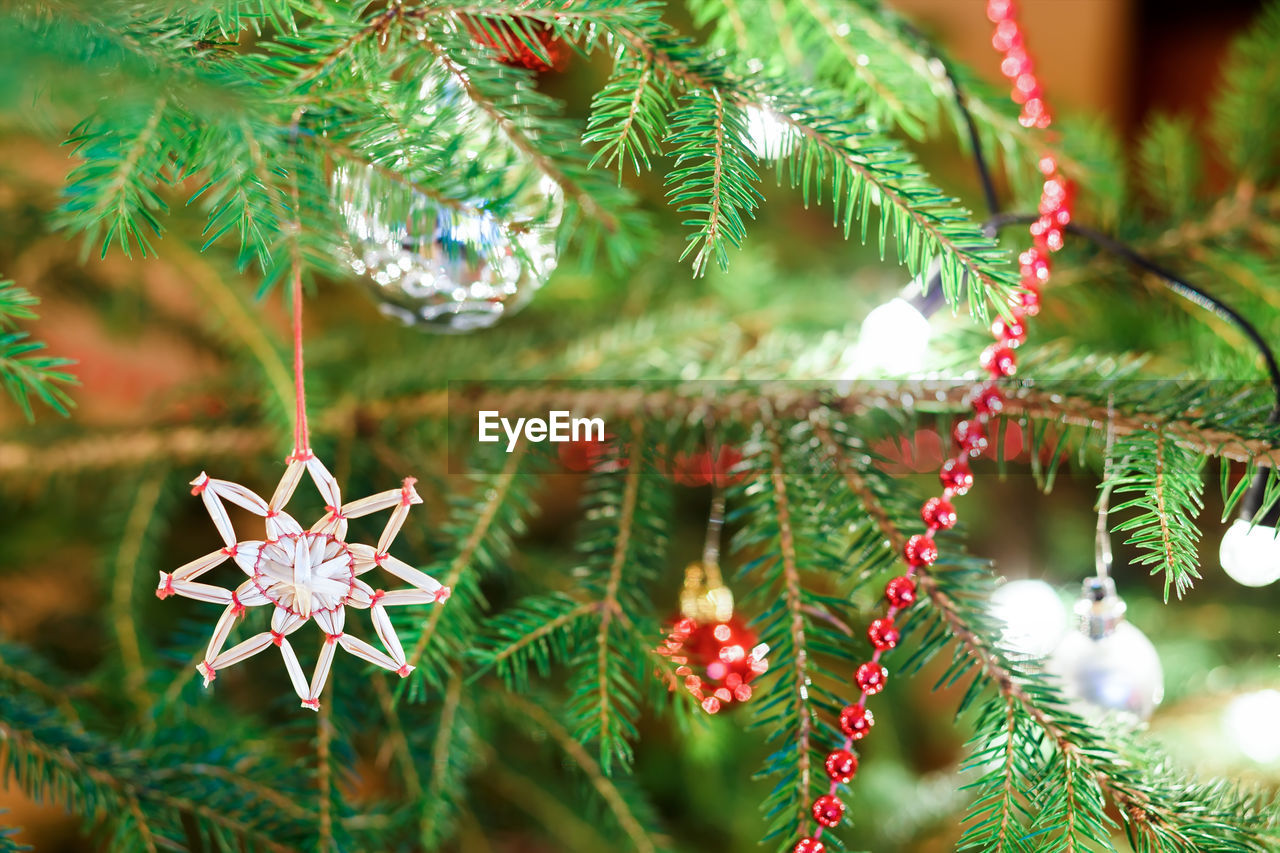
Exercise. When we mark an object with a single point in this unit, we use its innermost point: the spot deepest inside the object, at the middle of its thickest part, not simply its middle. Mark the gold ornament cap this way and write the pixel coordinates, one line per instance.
(705, 598)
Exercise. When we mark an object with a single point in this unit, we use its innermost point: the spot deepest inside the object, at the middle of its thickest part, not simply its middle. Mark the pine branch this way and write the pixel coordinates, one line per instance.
(711, 176)
(622, 540)
(23, 373)
(101, 783)
(451, 758)
(539, 633)
(798, 691)
(1167, 486)
(598, 775)
(137, 530)
(244, 326)
(1170, 166)
(629, 118)
(111, 195)
(490, 519)
(1246, 122)
(863, 169)
(324, 775)
(7, 842)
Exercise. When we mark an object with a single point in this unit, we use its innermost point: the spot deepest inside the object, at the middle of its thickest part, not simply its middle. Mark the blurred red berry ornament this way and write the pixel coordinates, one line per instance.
(970, 436)
(809, 845)
(920, 551)
(883, 634)
(715, 653)
(900, 592)
(856, 721)
(938, 513)
(828, 810)
(871, 677)
(841, 765)
(956, 476)
(999, 361)
(510, 49)
(988, 401)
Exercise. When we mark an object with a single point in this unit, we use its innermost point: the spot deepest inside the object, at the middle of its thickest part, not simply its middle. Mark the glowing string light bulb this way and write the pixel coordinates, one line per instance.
(1250, 552)
(1034, 617)
(1250, 722)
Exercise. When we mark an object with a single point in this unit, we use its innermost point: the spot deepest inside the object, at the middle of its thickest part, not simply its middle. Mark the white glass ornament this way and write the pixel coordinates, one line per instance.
(1250, 553)
(1108, 665)
(444, 269)
(1034, 617)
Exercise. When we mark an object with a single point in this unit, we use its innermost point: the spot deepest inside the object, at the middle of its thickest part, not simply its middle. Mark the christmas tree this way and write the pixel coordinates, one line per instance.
(690, 524)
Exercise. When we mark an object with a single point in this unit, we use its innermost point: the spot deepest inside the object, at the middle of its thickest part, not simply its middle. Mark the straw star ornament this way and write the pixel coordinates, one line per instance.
(306, 575)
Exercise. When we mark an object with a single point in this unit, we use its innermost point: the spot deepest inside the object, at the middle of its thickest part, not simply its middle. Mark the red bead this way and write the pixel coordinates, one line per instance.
(999, 10)
(856, 721)
(920, 551)
(1028, 302)
(809, 845)
(999, 361)
(988, 401)
(828, 810)
(956, 476)
(883, 634)
(841, 765)
(970, 436)
(1048, 165)
(871, 677)
(1034, 264)
(1013, 333)
(900, 592)
(939, 513)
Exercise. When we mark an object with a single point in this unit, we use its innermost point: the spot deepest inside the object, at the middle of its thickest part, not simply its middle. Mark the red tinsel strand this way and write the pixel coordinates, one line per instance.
(970, 436)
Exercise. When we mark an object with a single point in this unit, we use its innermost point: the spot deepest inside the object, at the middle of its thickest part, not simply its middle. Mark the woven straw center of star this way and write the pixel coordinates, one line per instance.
(306, 572)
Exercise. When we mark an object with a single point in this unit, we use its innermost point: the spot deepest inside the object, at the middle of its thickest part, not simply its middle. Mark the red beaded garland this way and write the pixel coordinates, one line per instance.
(871, 677)
(938, 513)
(828, 810)
(970, 435)
(1012, 331)
(841, 765)
(900, 592)
(988, 401)
(999, 361)
(920, 551)
(856, 721)
(956, 476)
(883, 634)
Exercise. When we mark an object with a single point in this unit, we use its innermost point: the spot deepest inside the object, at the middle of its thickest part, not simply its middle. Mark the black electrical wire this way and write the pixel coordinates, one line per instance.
(1173, 282)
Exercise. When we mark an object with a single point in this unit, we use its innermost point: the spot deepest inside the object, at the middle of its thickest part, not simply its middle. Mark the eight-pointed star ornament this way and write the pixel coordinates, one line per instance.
(304, 574)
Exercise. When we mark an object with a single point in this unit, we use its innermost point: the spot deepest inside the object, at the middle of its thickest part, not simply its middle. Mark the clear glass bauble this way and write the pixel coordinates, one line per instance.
(444, 268)
(1117, 673)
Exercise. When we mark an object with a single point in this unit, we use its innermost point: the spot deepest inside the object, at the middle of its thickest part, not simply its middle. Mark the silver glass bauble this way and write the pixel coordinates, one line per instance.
(442, 267)
(1107, 665)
